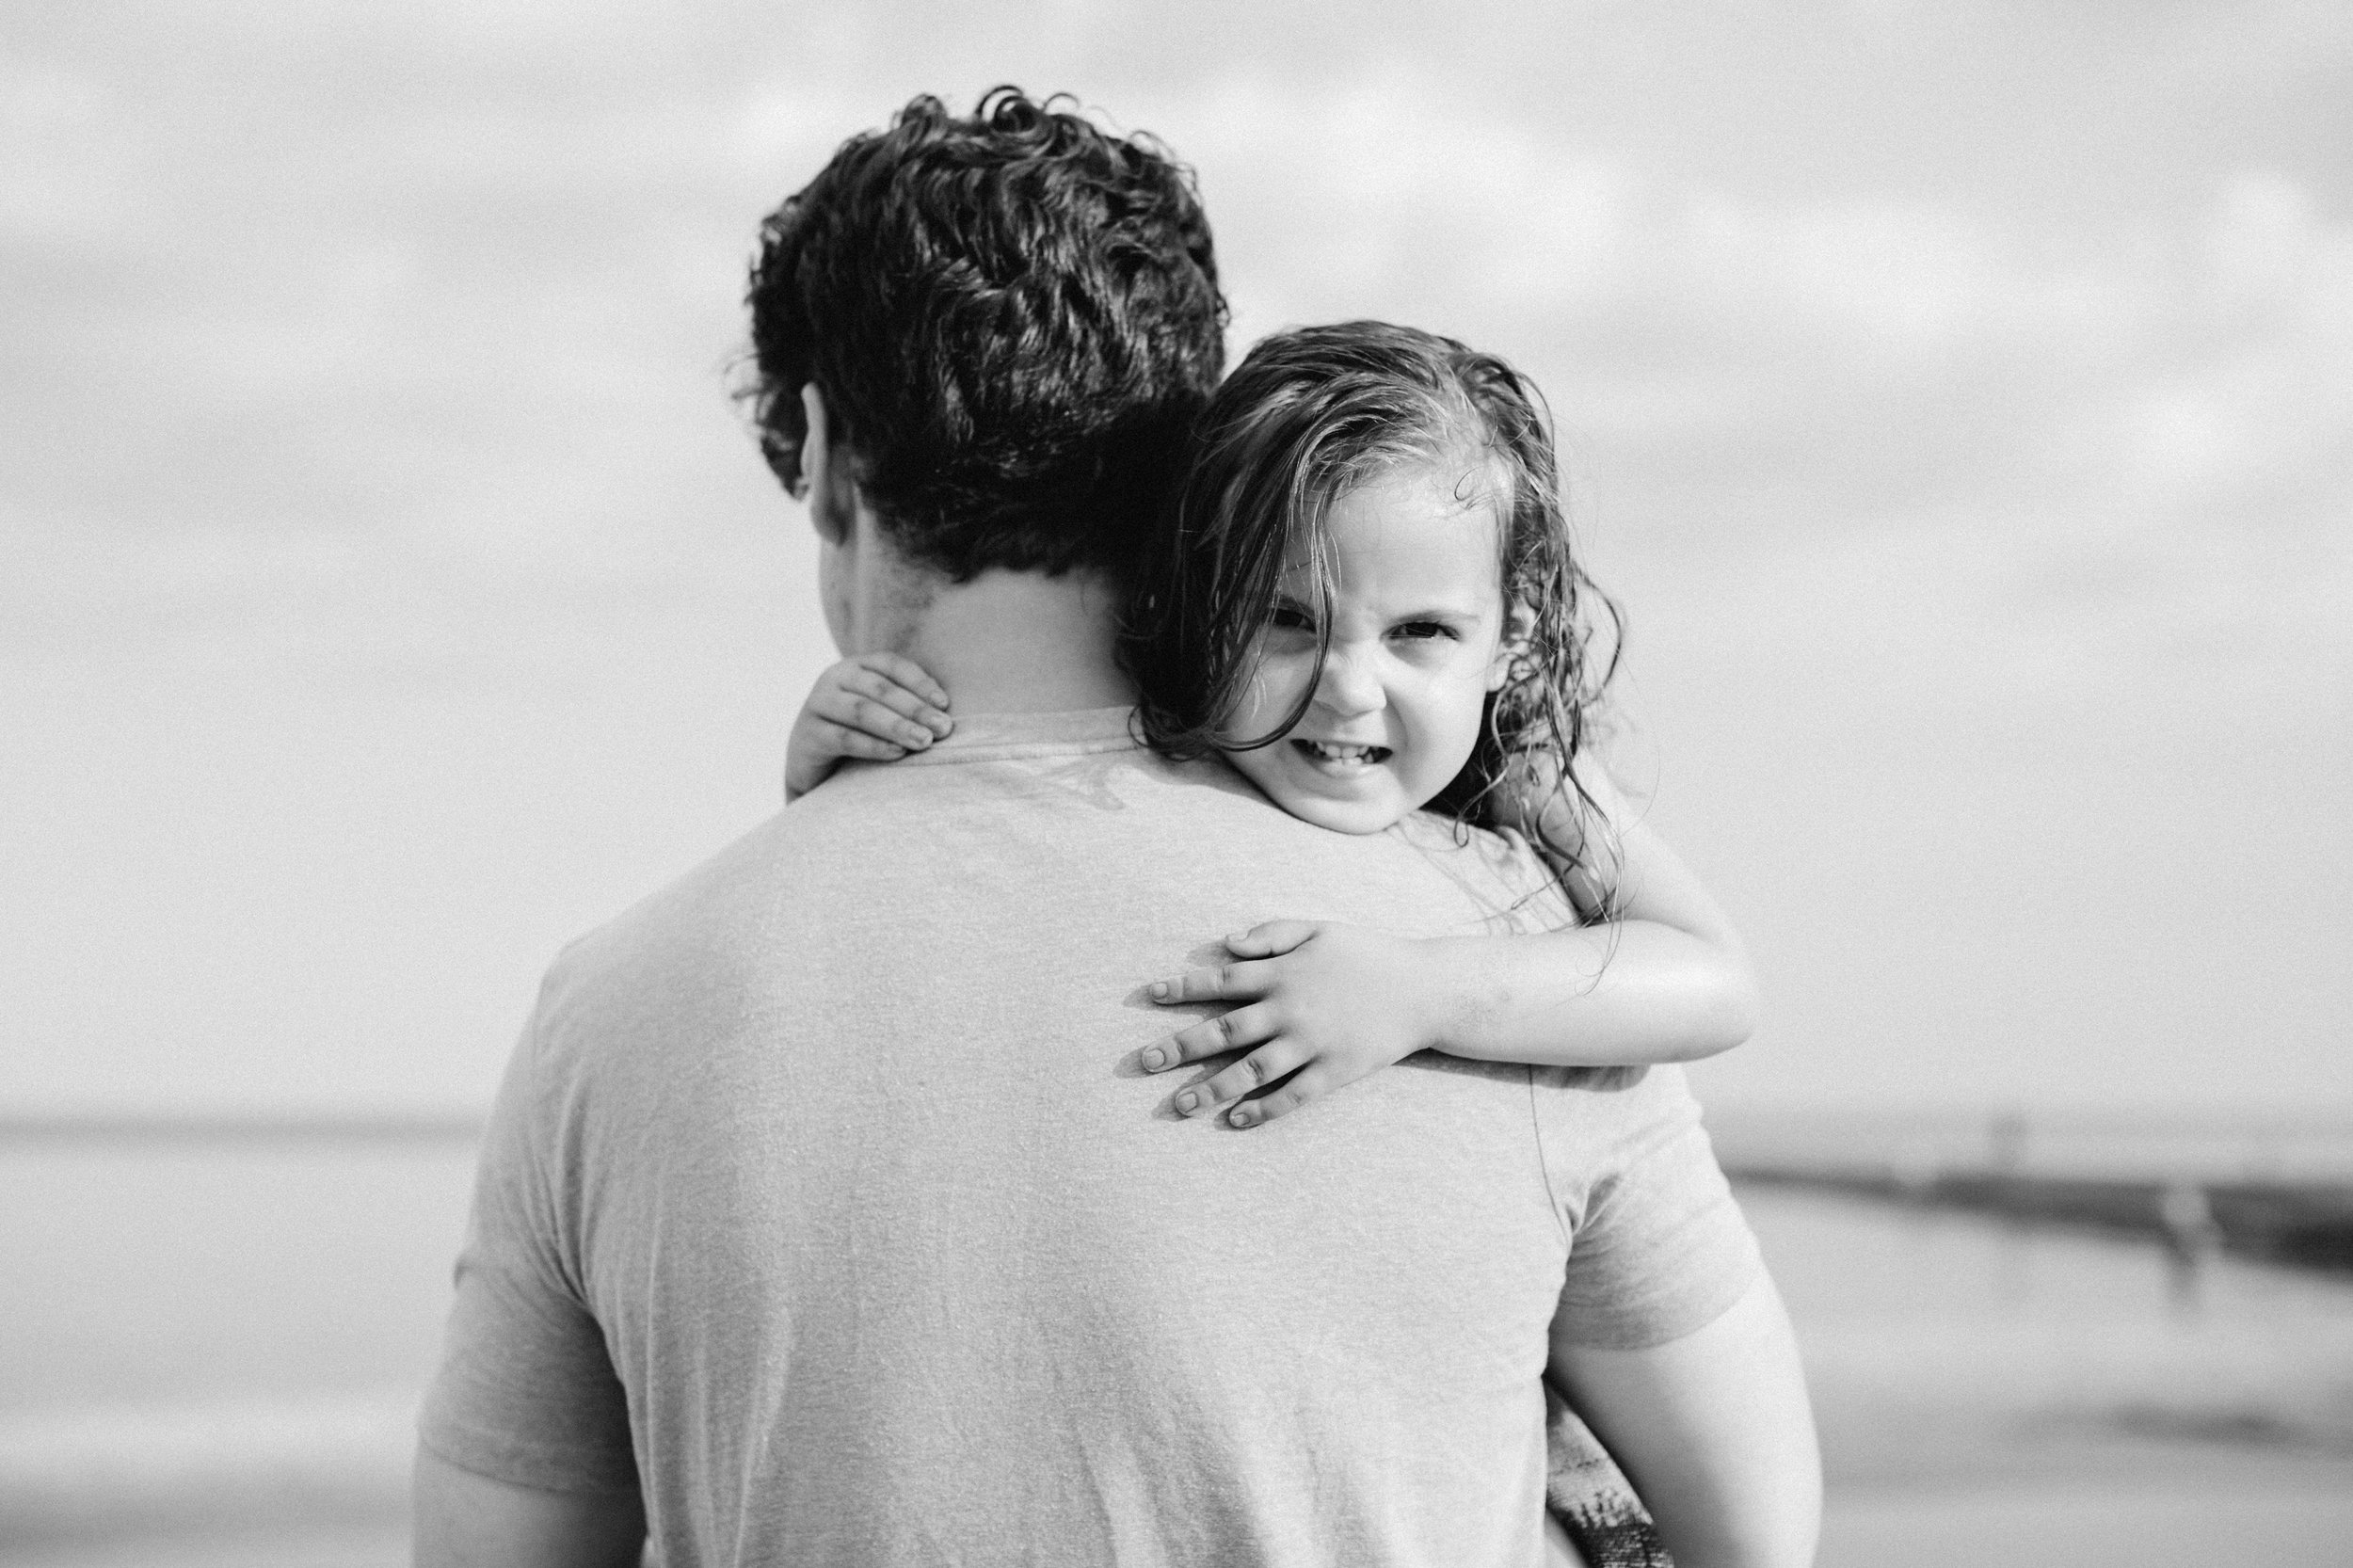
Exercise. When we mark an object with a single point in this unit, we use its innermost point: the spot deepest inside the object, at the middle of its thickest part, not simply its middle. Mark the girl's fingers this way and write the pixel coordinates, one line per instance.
(877, 687)
(1222, 982)
(1243, 1026)
(845, 741)
(908, 676)
(842, 706)
(1308, 1084)
(1256, 1071)
(1271, 938)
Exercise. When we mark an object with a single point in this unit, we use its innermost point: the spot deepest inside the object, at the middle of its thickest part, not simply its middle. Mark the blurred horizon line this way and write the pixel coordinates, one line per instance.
(1745, 1121)
(235, 1125)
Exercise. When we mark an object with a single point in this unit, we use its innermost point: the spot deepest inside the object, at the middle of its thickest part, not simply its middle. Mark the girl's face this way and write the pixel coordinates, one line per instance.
(1418, 641)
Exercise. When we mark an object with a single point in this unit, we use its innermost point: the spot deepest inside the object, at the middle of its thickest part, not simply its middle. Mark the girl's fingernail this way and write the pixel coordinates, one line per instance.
(1186, 1101)
(1156, 1058)
(1241, 1118)
(1159, 990)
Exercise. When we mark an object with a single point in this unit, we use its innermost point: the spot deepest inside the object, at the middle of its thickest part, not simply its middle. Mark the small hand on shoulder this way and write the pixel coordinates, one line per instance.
(877, 706)
(1325, 1004)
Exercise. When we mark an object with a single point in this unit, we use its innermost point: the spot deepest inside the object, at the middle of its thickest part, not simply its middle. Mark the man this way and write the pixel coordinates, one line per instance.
(826, 1215)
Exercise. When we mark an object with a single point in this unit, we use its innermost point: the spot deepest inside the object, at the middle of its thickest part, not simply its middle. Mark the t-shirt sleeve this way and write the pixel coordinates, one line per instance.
(1657, 1246)
(525, 1391)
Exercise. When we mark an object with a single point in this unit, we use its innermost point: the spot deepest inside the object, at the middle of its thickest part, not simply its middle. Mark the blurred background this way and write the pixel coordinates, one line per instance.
(1959, 398)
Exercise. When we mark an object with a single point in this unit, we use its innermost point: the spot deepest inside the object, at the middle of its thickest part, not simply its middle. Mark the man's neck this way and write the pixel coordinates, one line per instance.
(1006, 642)
(1020, 642)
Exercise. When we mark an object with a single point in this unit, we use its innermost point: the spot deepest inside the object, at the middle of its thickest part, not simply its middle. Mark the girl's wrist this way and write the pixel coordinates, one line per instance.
(1436, 1004)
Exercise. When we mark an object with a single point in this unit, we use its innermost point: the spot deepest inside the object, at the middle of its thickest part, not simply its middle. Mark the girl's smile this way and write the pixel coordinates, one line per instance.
(1417, 642)
(1340, 759)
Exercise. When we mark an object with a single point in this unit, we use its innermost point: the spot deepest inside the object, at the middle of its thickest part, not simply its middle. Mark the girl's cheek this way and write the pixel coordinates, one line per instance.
(1281, 678)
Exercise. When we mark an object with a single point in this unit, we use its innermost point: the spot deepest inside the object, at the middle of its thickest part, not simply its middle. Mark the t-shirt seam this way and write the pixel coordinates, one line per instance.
(1543, 1162)
(1016, 751)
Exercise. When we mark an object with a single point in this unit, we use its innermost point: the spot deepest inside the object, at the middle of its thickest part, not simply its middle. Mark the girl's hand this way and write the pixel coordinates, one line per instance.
(876, 706)
(1327, 1003)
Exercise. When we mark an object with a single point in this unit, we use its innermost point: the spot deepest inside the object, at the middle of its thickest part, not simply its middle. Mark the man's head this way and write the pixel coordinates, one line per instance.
(1010, 320)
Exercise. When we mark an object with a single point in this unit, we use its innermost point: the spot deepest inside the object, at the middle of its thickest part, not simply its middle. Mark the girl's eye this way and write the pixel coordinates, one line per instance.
(1422, 629)
(1290, 617)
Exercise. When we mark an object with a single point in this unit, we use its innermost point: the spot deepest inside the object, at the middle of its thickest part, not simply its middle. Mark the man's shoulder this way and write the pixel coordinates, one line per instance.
(1423, 859)
(913, 839)
(676, 932)
(1500, 871)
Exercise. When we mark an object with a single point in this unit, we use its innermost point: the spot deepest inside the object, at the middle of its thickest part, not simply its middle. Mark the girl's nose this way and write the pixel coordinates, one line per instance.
(1350, 686)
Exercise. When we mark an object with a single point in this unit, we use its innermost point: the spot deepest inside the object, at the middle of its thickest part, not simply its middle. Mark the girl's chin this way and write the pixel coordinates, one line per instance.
(1365, 803)
(1369, 812)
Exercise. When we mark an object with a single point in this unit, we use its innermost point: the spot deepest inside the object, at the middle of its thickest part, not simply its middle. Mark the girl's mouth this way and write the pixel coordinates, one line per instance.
(1329, 757)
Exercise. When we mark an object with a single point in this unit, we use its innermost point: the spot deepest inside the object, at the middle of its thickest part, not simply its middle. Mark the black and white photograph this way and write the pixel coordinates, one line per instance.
(1382, 786)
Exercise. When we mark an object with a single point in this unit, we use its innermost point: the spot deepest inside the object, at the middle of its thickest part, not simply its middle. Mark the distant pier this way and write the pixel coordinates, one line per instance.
(2279, 1195)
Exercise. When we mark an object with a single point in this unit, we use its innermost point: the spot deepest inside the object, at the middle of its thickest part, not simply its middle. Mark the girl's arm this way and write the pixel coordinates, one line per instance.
(1660, 976)
(876, 706)
(1665, 980)
(1714, 1429)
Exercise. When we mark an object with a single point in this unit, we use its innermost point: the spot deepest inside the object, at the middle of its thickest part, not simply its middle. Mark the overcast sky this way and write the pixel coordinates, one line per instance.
(1959, 398)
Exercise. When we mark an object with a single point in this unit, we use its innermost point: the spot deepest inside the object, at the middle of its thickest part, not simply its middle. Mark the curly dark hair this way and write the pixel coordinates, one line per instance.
(1012, 317)
(1308, 416)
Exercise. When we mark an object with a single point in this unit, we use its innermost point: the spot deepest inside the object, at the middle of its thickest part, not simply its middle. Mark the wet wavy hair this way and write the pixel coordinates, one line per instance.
(1013, 318)
(1308, 416)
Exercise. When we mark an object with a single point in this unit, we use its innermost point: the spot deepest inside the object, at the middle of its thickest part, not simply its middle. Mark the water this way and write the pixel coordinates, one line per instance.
(199, 1337)
(199, 1272)
(211, 1353)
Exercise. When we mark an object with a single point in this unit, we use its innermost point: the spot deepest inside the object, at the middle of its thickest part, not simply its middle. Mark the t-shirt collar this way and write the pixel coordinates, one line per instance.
(989, 737)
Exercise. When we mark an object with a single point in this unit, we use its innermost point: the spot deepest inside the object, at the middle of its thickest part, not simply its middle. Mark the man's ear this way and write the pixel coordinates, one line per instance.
(1519, 625)
(821, 482)
(814, 453)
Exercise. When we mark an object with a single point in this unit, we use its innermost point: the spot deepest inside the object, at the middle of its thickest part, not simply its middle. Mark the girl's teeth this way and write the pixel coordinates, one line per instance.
(1339, 753)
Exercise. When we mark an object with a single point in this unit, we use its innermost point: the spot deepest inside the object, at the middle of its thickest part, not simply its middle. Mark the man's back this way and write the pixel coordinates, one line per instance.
(828, 1184)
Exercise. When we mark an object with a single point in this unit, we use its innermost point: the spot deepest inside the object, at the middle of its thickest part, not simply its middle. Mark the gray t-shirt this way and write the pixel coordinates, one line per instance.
(826, 1201)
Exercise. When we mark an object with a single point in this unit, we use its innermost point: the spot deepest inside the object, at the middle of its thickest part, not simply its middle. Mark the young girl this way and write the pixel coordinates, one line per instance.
(1365, 600)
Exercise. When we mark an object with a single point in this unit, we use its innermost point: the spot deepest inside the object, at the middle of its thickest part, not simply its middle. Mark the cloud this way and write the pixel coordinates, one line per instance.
(1745, 357)
(2268, 403)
